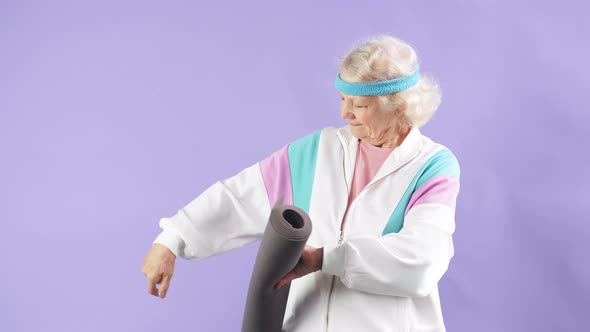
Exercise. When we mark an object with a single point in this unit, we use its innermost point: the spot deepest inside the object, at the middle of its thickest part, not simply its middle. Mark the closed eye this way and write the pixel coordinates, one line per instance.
(355, 106)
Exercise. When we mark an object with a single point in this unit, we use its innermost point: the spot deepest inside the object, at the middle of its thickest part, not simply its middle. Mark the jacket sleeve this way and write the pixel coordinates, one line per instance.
(408, 263)
(229, 214)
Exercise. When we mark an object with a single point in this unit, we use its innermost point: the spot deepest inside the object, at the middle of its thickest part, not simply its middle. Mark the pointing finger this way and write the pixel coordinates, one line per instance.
(165, 285)
(152, 287)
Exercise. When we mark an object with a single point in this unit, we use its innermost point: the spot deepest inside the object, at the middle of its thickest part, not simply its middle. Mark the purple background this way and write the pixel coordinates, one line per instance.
(114, 114)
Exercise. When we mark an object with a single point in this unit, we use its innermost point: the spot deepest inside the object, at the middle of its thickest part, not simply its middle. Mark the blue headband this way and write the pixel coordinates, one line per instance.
(378, 88)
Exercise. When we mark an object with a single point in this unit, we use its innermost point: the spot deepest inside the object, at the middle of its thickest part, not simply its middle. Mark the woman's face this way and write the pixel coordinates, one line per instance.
(366, 118)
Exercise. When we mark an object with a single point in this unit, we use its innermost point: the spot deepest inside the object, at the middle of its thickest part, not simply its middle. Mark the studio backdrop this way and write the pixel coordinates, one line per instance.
(114, 114)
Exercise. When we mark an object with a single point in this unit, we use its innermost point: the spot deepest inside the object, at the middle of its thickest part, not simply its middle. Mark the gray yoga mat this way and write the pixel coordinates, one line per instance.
(284, 238)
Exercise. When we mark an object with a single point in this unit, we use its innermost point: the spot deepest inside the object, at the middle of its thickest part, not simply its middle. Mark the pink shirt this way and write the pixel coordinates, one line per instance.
(369, 159)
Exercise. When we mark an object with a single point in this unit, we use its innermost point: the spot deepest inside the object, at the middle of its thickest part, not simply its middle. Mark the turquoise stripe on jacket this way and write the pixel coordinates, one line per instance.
(442, 163)
(303, 155)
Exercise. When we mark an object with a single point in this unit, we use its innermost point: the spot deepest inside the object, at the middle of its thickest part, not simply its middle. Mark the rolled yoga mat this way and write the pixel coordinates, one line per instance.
(284, 239)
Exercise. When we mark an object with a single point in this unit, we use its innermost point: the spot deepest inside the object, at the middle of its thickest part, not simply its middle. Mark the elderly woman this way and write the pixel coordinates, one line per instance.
(381, 196)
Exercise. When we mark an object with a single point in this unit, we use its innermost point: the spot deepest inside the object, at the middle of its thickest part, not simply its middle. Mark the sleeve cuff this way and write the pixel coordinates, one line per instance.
(172, 241)
(333, 261)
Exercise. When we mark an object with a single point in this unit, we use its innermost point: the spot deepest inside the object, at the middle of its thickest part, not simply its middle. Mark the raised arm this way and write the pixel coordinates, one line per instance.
(229, 214)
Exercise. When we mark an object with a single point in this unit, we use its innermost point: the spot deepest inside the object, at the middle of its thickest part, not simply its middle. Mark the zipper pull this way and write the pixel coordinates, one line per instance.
(340, 237)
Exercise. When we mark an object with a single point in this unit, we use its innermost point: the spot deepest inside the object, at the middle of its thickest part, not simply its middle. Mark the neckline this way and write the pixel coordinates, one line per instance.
(373, 147)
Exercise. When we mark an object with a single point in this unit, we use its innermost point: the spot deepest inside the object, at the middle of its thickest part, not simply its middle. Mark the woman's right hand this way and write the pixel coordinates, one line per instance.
(158, 267)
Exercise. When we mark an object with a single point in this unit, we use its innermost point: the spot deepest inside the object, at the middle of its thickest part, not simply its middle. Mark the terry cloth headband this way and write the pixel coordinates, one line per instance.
(380, 87)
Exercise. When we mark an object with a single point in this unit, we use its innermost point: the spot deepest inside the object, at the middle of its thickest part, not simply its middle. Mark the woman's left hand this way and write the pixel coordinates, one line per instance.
(310, 261)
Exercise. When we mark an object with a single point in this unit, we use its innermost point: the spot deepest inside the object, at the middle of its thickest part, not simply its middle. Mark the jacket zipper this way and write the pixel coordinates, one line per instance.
(341, 232)
(332, 287)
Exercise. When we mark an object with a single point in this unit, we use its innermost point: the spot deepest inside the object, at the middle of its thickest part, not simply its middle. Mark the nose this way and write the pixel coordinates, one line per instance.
(345, 112)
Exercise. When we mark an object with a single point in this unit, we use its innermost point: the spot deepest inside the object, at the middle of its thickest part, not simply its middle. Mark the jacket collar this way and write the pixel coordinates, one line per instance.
(410, 148)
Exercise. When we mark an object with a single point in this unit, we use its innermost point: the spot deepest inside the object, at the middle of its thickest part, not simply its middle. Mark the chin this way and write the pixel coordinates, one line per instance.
(356, 133)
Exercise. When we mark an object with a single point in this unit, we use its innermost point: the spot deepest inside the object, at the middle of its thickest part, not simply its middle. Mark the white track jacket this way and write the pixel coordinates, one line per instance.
(381, 272)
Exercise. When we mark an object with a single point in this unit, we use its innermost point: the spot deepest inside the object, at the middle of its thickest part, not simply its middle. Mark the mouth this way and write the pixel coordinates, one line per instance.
(355, 124)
